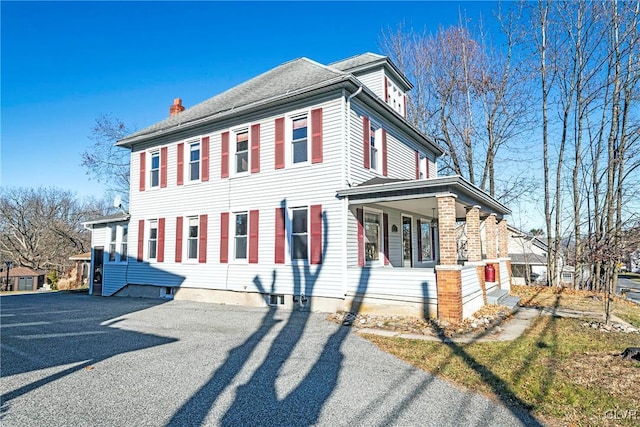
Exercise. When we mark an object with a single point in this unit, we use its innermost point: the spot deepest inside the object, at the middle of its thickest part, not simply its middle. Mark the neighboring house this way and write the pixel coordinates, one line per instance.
(529, 256)
(22, 279)
(80, 272)
(303, 187)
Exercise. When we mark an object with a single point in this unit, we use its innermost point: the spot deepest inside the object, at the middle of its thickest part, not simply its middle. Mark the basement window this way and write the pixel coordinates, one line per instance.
(275, 299)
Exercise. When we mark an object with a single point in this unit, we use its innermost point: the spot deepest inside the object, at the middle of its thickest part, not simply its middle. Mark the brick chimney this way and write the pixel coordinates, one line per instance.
(176, 108)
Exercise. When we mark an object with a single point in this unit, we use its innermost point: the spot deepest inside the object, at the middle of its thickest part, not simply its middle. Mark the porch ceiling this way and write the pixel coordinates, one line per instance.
(420, 196)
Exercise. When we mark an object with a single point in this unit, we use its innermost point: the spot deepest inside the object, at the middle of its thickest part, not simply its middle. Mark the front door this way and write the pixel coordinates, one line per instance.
(98, 260)
(406, 242)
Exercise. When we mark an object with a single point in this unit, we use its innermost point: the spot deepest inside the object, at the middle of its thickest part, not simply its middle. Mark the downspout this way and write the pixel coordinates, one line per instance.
(346, 117)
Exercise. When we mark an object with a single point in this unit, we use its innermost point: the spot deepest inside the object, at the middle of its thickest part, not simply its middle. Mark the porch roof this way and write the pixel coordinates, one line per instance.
(412, 194)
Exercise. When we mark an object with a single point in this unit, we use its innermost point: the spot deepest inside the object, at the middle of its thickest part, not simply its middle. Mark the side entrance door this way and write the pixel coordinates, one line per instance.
(98, 260)
(407, 250)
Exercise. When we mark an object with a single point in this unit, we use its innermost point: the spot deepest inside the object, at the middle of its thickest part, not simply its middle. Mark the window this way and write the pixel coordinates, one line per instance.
(299, 140)
(372, 236)
(241, 236)
(425, 241)
(194, 161)
(155, 169)
(242, 151)
(299, 234)
(395, 97)
(424, 164)
(275, 299)
(192, 242)
(123, 243)
(153, 239)
(112, 243)
(373, 143)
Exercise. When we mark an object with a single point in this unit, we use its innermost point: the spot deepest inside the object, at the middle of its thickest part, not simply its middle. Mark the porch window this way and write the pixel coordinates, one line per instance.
(372, 236)
(425, 241)
(112, 243)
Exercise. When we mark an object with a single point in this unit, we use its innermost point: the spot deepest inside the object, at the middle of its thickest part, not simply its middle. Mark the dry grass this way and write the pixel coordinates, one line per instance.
(593, 302)
(561, 371)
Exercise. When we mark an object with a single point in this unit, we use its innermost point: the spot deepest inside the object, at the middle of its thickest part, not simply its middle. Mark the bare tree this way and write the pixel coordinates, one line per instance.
(41, 228)
(104, 161)
(467, 94)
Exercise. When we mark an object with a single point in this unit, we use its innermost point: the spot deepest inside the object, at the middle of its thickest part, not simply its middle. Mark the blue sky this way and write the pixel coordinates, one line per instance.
(64, 64)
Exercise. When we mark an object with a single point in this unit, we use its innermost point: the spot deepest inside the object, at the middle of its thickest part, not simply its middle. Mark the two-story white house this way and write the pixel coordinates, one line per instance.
(307, 187)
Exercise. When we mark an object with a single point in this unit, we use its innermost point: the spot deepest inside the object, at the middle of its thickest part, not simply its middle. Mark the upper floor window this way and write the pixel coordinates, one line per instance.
(153, 239)
(395, 97)
(194, 161)
(155, 169)
(424, 167)
(299, 234)
(374, 142)
(192, 242)
(241, 235)
(242, 151)
(299, 147)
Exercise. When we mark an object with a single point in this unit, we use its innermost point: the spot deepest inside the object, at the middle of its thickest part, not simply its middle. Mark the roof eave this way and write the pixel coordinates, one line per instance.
(107, 220)
(325, 86)
(456, 182)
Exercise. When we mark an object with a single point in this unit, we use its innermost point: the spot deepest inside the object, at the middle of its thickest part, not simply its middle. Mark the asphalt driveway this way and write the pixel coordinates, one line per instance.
(72, 359)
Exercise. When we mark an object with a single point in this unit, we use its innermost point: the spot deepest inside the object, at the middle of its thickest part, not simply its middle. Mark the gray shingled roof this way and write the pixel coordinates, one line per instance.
(288, 77)
(357, 61)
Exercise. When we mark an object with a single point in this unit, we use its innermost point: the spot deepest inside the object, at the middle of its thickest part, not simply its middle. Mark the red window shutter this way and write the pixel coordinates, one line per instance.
(404, 98)
(255, 148)
(143, 169)
(419, 223)
(224, 237)
(163, 167)
(316, 234)
(160, 255)
(254, 222)
(385, 237)
(205, 159)
(417, 165)
(280, 236)
(360, 216)
(180, 177)
(426, 167)
(179, 239)
(202, 249)
(280, 143)
(316, 135)
(366, 128)
(386, 89)
(384, 152)
(140, 240)
(224, 166)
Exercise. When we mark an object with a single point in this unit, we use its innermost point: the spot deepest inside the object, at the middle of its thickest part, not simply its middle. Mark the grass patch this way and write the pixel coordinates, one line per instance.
(558, 370)
(561, 371)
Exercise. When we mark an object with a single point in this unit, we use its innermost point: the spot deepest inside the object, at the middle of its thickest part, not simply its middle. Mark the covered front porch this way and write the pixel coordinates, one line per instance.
(421, 247)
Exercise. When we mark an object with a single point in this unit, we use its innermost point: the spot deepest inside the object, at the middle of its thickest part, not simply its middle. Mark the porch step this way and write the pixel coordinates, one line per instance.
(502, 297)
(496, 295)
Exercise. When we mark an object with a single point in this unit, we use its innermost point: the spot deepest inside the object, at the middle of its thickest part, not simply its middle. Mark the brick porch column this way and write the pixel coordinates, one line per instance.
(474, 249)
(448, 273)
(490, 237)
(503, 242)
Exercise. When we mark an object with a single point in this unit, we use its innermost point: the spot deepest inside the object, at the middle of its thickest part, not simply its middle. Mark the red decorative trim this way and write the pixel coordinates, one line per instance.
(316, 135)
(179, 228)
(316, 234)
(254, 221)
(202, 250)
(163, 167)
(180, 173)
(255, 148)
(143, 169)
(224, 166)
(279, 148)
(160, 254)
(224, 237)
(280, 236)
(205, 159)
